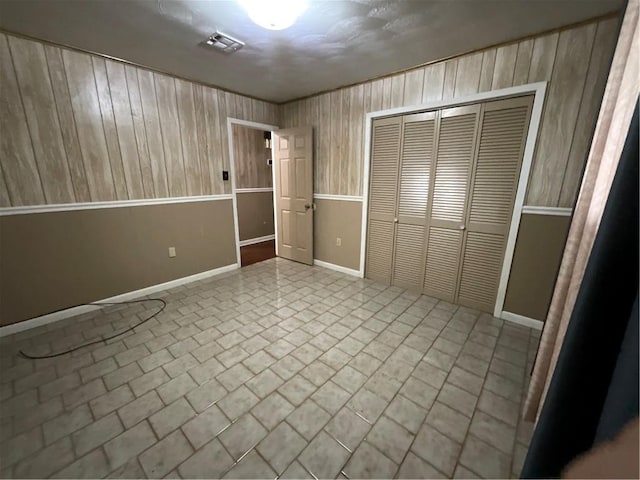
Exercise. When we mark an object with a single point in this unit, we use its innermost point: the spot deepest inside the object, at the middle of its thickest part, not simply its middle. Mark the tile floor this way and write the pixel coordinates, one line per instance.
(275, 370)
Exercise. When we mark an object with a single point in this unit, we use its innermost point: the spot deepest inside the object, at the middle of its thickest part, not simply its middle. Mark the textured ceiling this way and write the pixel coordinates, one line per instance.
(334, 43)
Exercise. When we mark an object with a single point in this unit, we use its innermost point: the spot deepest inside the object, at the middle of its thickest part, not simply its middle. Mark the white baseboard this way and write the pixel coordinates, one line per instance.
(337, 268)
(522, 320)
(251, 241)
(71, 312)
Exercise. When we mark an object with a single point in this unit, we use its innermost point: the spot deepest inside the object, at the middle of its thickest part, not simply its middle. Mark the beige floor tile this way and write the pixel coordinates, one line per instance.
(281, 366)
(348, 428)
(97, 433)
(465, 380)
(367, 462)
(234, 377)
(419, 392)
(390, 438)
(297, 389)
(92, 465)
(331, 397)
(165, 455)
(496, 433)
(264, 383)
(308, 419)
(281, 447)
(406, 413)
(171, 417)
(437, 449)
(211, 461)
(129, 444)
(206, 395)
(205, 426)
(272, 410)
(484, 459)
(242, 436)
(252, 465)
(448, 421)
(350, 379)
(296, 471)
(499, 407)
(458, 399)
(367, 404)
(324, 457)
(415, 467)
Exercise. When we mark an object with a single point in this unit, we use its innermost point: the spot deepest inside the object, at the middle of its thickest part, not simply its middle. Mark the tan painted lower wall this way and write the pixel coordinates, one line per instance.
(338, 219)
(536, 260)
(50, 261)
(255, 215)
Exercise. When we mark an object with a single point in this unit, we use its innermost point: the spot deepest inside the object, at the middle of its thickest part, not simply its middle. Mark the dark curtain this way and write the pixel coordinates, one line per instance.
(594, 389)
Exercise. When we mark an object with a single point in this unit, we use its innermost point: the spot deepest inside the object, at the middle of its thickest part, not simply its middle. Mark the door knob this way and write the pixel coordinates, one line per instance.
(462, 227)
(395, 220)
(307, 207)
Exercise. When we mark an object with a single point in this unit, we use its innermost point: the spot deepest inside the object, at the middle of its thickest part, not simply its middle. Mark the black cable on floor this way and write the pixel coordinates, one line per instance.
(101, 339)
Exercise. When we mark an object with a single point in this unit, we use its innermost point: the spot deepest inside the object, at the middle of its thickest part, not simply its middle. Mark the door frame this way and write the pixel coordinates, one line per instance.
(231, 121)
(538, 90)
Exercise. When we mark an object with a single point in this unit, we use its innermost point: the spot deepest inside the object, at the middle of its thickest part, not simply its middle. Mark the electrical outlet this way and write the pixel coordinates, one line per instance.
(338, 242)
(172, 252)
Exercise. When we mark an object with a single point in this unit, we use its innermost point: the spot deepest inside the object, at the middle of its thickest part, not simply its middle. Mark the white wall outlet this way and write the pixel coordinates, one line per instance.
(172, 252)
(338, 242)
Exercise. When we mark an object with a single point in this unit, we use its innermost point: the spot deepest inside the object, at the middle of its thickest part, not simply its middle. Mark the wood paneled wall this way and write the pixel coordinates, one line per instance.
(250, 157)
(574, 61)
(76, 127)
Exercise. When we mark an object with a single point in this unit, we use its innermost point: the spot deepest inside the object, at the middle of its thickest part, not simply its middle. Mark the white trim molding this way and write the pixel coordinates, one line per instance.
(254, 190)
(337, 268)
(522, 320)
(252, 241)
(67, 207)
(557, 211)
(232, 167)
(71, 312)
(539, 91)
(342, 198)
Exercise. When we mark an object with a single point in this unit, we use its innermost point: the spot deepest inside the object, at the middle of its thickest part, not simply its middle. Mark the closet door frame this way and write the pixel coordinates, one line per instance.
(538, 90)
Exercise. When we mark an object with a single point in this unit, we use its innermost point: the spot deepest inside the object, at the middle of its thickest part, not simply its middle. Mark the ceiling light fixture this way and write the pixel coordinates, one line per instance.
(274, 14)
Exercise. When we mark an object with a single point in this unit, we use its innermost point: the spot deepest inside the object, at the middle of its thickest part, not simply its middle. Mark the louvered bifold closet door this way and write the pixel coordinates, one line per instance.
(383, 192)
(454, 159)
(416, 158)
(503, 131)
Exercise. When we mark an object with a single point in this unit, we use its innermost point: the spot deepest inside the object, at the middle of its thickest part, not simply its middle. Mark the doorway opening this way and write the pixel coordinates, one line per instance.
(252, 182)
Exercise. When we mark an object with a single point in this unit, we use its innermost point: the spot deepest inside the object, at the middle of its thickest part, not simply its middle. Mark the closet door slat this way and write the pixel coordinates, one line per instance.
(385, 156)
(416, 158)
(453, 165)
(443, 255)
(496, 172)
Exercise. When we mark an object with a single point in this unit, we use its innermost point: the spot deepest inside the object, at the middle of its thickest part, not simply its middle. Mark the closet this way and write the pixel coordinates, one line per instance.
(441, 195)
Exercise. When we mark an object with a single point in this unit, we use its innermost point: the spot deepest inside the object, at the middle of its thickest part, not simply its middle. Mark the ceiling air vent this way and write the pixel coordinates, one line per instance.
(224, 43)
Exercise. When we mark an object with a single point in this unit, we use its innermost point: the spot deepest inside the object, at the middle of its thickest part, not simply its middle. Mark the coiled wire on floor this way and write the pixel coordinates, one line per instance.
(101, 339)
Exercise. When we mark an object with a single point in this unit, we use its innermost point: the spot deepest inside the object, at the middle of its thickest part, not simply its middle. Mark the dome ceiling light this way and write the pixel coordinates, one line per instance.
(274, 14)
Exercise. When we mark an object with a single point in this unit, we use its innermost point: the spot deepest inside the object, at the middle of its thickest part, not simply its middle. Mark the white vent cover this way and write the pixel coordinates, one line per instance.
(224, 43)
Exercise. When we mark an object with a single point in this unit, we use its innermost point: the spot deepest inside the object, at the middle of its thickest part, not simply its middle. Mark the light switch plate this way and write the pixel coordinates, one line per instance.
(172, 252)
